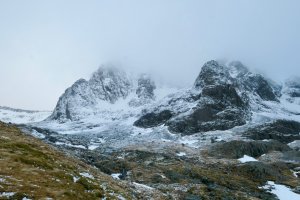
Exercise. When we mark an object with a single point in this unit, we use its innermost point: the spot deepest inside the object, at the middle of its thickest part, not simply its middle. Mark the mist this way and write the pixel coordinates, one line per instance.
(47, 45)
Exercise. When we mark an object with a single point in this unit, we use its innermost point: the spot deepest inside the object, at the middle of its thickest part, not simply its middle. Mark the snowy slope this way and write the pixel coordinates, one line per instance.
(19, 116)
(86, 116)
(229, 94)
(116, 110)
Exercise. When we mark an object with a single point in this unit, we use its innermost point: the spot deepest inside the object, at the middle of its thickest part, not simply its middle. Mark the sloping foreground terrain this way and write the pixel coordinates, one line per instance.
(235, 169)
(31, 169)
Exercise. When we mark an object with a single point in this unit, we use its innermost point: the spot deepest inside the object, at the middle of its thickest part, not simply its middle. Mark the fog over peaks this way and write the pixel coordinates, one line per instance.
(45, 46)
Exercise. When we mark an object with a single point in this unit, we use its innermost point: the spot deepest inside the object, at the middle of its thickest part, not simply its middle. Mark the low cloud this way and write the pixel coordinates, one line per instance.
(46, 46)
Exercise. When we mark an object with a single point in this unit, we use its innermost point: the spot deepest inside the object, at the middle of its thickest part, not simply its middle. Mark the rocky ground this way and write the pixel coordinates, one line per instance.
(213, 171)
(32, 169)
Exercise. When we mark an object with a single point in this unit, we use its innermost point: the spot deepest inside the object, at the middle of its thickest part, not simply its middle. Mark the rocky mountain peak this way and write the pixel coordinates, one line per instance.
(110, 84)
(212, 73)
(237, 69)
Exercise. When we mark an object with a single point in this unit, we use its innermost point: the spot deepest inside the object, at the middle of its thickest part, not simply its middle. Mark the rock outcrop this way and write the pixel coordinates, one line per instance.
(284, 131)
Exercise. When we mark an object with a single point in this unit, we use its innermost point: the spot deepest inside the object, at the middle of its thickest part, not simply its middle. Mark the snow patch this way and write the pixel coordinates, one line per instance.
(116, 176)
(281, 191)
(181, 154)
(87, 175)
(93, 146)
(75, 179)
(294, 144)
(246, 158)
(143, 186)
(70, 145)
(25, 198)
(7, 194)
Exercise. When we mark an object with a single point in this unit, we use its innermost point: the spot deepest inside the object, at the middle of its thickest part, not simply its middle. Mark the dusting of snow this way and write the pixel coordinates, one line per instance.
(93, 146)
(25, 198)
(294, 144)
(7, 194)
(70, 145)
(120, 197)
(37, 134)
(181, 154)
(246, 158)
(143, 186)
(87, 175)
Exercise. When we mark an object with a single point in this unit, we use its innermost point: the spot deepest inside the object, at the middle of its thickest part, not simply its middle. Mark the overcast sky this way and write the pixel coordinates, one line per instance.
(47, 45)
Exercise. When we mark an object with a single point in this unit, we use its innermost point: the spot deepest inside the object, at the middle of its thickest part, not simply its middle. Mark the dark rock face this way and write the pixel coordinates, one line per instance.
(237, 149)
(220, 107)
(295, 94)
(212, 73)
(153, 119)
(292, 87)
(254, 83)
(223, 111)
(259, 85)
(281, 130)
(207, 118)
(291, 156)
(226, 94)
(145, 88)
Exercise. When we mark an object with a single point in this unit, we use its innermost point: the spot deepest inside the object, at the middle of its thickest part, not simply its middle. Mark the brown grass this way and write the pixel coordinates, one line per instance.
(33, 169)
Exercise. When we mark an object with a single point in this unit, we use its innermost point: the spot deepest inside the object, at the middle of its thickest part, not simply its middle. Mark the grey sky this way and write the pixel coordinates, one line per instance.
(46, 45)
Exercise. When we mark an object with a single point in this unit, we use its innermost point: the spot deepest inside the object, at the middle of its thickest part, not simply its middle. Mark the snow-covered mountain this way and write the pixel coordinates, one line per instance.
(222, 97)
(108, 90)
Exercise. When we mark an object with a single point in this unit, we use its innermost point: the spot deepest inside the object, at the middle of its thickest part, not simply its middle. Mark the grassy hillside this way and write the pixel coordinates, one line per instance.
(32, 169)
